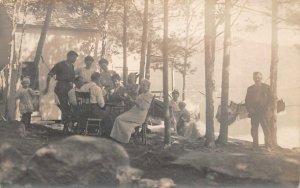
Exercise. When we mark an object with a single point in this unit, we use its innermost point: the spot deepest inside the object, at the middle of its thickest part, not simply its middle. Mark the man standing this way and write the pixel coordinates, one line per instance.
(64, 74)
(258, 101)
(87, 71)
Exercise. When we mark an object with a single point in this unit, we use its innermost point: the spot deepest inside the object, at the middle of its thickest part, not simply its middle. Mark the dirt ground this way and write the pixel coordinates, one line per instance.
(155, 160)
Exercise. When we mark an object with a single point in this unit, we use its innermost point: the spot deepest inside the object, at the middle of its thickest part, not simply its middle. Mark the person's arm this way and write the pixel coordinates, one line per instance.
(248, 101)
(142, 103)
(72, 97)
(47, 84)
(32, 92)
(77, 72)
(50, 74)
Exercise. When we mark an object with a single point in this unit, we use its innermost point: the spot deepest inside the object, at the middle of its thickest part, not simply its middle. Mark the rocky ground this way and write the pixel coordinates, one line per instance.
(183, 164)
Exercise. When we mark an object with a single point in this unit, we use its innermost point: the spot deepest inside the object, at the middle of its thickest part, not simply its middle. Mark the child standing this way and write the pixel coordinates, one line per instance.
(26, 96)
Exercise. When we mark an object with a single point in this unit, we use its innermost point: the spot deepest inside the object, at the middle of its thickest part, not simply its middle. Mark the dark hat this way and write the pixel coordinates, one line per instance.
(71, 53)
(95, 76)
(88, 58)
(175, 91)
(103, 61)
(116, 77)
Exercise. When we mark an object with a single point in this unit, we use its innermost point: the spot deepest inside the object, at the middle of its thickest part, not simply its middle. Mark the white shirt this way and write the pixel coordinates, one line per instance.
(72, 96)
(85, 73)
(96, 93)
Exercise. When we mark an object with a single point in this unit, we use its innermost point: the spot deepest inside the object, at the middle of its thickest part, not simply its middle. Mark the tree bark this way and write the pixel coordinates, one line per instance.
(96, 48)
(209, 70)
(185, 58)
(149, 49)
(125, 68)
(144, 41)
(13, 71)
(39, 50)
(273, 72)
(167, 139)
(104, 30)
(223, 136)
(150, 35)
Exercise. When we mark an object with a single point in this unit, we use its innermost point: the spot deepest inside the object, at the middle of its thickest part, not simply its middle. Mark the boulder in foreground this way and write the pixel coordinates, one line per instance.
(82, 160)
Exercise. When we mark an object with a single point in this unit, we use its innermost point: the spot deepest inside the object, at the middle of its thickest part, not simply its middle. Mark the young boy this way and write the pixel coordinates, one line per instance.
(26, 96)
(184, 118)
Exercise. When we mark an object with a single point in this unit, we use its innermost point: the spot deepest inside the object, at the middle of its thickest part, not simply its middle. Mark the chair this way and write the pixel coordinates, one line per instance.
(145, 124)
(115, 108)
(84, 107)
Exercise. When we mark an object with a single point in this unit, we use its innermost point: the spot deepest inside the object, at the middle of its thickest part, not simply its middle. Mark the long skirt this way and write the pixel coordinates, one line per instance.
(125, 124)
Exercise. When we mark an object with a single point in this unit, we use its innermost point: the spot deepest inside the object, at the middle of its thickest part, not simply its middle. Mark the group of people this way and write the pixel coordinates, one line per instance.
(106, 87)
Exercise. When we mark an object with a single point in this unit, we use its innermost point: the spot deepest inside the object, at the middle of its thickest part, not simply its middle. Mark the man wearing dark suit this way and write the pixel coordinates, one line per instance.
(258, 101)
(64, 74)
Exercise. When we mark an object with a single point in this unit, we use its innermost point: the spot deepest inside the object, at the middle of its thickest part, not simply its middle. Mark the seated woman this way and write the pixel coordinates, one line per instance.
(125, 124)
(117, 94)
(132, 89)
(183, 119)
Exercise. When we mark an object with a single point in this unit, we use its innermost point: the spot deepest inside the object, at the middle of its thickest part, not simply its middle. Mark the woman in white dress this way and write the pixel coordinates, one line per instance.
(125, 124)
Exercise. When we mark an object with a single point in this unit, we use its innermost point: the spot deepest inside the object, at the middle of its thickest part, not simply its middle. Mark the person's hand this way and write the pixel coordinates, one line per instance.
(37, 92)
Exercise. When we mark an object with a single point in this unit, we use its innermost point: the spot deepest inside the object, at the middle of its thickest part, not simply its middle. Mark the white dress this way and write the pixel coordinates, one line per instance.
(26, 97)
(125, 123)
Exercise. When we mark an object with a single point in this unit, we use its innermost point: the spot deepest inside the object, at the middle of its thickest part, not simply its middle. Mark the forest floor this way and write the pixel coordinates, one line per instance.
(158, 161)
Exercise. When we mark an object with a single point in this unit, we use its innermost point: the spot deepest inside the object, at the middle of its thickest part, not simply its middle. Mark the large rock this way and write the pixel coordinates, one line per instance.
(274, 166)
(11, 164)
(82, 160)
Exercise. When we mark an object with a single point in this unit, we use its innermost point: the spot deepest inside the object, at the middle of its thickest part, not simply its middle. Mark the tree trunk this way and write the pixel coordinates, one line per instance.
(149, 49)
(167, 139)
(183, 86)
(96, 48)
(125, 68)
(104, 30)
(185, 59)
(39, 50)
(150, 35)
(209, 70)
(223, 136)
(144, 41)
(273, 72)
(13, 71)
